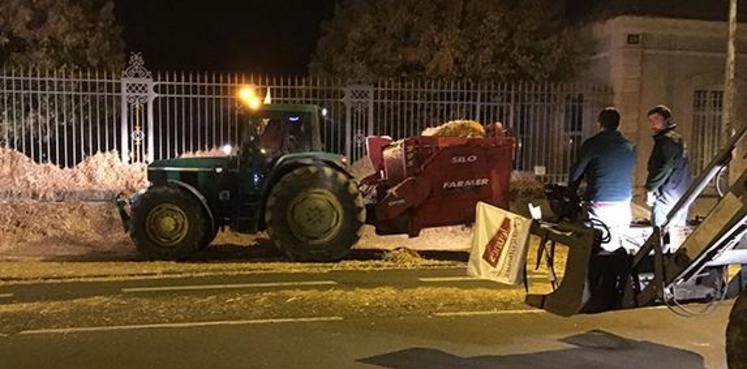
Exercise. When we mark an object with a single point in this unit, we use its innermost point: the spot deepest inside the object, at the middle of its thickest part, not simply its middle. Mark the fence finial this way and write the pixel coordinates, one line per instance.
(136, 67)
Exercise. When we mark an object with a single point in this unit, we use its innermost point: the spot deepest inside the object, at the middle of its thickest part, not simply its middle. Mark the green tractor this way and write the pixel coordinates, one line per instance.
(279, 181)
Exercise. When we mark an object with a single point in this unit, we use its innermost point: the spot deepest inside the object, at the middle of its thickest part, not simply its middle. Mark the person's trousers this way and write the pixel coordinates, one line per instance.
(676, 226)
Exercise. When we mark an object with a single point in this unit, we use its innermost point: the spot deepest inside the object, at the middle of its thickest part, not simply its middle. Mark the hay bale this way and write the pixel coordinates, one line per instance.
(456, 128)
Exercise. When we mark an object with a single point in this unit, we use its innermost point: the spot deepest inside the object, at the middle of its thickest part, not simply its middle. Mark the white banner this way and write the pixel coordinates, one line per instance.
(499, 245)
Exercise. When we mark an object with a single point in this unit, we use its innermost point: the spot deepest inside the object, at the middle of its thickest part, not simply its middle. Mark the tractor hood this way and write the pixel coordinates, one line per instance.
(200, 163)
(336, 159)
(171, 168)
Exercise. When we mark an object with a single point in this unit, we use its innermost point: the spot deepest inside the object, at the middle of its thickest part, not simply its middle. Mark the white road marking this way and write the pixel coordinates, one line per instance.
(6, 295)
(459, 279)
(176, 275)
(129, 277)
(701, 344)
(657, 307)
(179, 325)
(448, 279)
(490, 312)
(226, 286)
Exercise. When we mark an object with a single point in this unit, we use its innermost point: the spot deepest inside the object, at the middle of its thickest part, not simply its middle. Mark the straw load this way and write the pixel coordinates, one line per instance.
(362, 168)
(456, 128)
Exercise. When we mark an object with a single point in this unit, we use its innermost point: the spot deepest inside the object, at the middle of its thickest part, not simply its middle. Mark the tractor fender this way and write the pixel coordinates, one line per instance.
(290, 162)
(298, 159)
(189, 188)
(287, 164)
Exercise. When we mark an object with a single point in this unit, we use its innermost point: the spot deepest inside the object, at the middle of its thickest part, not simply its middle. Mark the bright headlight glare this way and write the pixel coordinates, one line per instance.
(248, 96)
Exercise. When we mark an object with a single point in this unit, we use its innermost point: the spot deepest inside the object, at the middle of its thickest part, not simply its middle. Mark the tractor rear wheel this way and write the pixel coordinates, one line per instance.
(315, 213)
(169, 223)
(736, 334)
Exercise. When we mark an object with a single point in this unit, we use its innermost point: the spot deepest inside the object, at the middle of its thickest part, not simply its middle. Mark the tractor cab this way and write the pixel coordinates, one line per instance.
(277, 129)
(271, 134)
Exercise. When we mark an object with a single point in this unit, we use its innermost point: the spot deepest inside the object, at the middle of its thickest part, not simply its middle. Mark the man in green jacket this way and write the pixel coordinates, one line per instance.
(668, 169)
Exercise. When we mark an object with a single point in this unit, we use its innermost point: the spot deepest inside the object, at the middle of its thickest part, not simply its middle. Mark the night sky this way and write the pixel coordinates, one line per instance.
(259, 36)
(279, 36)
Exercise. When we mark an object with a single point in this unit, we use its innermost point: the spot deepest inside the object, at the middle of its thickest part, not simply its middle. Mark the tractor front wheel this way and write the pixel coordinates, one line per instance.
(736, 334)
(315, 213)
(169, 223)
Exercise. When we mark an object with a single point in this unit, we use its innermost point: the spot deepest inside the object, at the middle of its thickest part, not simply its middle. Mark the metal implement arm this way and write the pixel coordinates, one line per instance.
(715, 234)
(723, 157)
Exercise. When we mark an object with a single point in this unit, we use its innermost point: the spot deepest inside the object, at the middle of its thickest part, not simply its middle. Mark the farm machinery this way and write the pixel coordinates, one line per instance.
(308, 202)
(658, 273)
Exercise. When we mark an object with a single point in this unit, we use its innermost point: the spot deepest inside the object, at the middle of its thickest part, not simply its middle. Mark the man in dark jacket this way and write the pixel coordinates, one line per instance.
(606, 161)
(668, 169)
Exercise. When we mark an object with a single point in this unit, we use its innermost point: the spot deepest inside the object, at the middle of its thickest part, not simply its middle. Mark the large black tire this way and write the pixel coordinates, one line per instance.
(736, 334)
(315, 213)
(169, 223)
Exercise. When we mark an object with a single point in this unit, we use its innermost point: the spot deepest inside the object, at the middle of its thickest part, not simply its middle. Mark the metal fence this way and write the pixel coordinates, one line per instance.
(61, 116)
(64, 116)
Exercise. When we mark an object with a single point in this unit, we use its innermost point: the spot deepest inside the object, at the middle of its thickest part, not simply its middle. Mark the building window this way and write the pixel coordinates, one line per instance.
(634, 39)
(707, 128)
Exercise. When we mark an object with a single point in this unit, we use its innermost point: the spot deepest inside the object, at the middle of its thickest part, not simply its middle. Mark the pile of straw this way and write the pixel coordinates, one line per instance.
(23, 179)
(456, 128)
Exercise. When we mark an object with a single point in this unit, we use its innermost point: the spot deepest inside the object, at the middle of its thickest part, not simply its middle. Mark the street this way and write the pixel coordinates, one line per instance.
(343, 184)
(312, 320)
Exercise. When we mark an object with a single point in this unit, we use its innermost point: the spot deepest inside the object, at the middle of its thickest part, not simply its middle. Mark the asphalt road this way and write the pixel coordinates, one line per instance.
(641, 339)
(248, 282)
(646, 338)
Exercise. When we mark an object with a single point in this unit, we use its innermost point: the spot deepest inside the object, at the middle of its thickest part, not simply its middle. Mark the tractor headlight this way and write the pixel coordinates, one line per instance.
(248, 96)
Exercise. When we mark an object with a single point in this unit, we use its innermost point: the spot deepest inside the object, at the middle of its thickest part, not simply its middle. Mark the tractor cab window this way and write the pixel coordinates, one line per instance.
(276, 133)
(299, 138)
(271, 137)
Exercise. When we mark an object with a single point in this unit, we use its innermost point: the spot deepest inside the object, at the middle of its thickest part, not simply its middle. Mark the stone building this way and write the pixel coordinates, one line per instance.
(666, 52)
